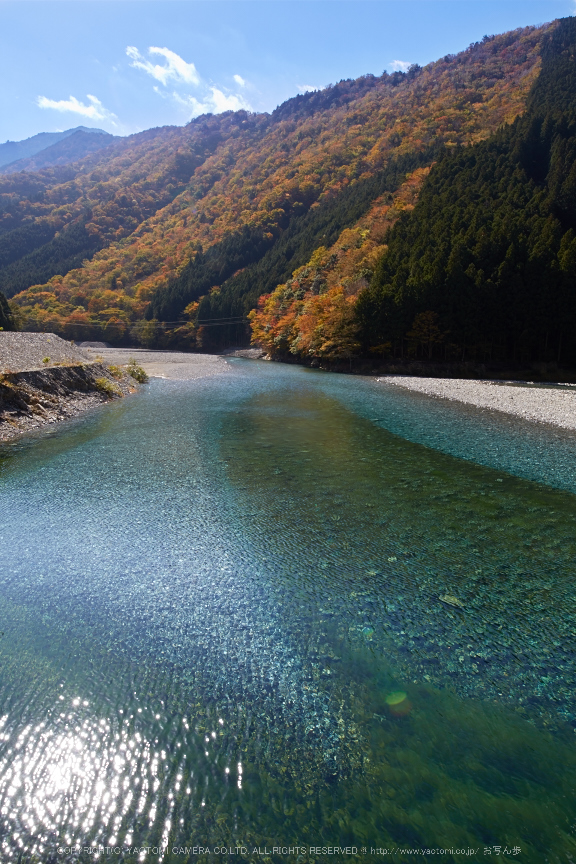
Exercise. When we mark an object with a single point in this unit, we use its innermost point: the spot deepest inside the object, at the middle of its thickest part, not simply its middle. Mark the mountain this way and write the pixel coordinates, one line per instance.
(11, 151)
(485, 265)
(74, 146)
(479, 266)
(170, 236)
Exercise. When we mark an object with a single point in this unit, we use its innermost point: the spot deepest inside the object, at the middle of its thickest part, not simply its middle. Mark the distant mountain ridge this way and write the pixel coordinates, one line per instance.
(69, 149)
(12, 151)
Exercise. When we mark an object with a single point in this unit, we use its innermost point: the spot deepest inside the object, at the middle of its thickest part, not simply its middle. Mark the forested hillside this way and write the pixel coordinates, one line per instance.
(245, 266)
(155, 228)
(53, 220)
(482, 268)
(485, 265)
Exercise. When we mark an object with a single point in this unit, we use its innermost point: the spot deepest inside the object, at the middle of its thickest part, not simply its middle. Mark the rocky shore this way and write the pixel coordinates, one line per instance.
(44, 379)
(541, 403)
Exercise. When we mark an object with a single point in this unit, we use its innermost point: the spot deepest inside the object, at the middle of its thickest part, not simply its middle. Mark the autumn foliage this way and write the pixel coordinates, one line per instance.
(313, 315)
(84, 248)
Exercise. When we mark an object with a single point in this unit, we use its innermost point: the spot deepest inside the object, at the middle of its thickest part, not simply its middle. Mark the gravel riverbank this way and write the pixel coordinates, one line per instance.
(540, 403)
(162, 364)
(24, 352)
(45, 379)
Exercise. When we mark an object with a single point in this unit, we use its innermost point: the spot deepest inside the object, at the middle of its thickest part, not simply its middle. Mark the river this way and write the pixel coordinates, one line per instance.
(280, 609)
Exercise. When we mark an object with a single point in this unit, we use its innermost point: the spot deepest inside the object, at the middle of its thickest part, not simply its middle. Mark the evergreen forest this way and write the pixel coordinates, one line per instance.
(485, 265)
(6, 319)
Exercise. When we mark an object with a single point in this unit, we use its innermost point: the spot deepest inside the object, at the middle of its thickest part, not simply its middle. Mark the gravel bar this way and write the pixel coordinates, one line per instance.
(540, 403)
(162, 364)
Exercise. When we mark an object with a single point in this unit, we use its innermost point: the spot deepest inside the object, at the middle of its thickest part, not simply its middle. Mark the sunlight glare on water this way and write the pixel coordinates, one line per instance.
(80, 775)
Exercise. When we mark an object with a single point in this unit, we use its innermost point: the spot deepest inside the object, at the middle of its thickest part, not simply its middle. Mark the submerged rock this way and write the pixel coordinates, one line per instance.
(450, 600)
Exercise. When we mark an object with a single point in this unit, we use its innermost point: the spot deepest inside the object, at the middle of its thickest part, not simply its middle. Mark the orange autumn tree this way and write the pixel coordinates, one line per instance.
(273, 322)
(327, 326)
(313, 314)
(322, 325)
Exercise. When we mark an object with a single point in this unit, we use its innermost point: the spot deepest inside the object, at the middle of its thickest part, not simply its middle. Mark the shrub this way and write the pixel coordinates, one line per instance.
(136, 371)
(108, 387)
(115, 371)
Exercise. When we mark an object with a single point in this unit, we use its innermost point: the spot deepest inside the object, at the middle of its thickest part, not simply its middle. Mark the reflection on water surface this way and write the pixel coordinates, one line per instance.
(287, 608)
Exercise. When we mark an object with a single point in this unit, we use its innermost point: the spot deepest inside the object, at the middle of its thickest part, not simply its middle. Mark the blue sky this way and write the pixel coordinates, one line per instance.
(128, 66)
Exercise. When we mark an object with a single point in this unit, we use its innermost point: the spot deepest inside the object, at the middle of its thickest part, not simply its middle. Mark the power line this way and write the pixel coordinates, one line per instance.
(209, 322)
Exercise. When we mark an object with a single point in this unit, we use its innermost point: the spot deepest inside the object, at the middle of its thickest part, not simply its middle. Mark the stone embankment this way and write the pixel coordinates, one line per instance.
(44, 379)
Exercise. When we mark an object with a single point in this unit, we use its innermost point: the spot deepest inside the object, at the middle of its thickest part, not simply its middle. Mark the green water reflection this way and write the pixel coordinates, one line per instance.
(444, 579)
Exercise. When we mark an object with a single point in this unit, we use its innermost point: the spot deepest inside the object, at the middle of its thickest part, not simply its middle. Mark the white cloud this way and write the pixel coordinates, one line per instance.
(176, 68)
(400, 65)
(232, 102)
(191, 102)
(214, 102)
(94, 110)
(306, 88)
(208, 99)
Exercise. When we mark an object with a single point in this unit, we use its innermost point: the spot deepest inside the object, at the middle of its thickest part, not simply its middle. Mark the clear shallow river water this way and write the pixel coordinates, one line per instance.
(280, 607)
